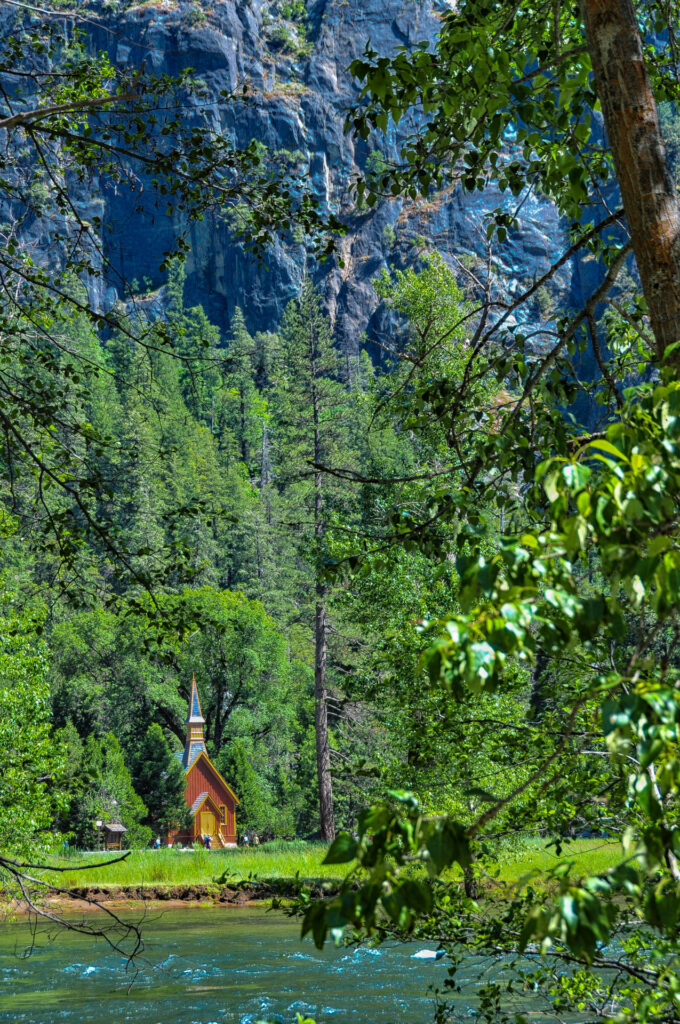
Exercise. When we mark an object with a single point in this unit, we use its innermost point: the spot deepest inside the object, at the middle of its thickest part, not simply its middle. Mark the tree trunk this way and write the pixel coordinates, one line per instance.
(218, 728)
(264, 458)
(538, 697)
(470, 883)
(650, 199)
(323, 753)
(244, 444)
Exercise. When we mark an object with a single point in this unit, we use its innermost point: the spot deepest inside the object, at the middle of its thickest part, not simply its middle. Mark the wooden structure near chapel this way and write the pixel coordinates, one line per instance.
(211, 800)
(110, 835)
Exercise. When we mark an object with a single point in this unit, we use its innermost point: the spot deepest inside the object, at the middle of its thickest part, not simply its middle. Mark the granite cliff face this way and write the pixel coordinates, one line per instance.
(299, 91)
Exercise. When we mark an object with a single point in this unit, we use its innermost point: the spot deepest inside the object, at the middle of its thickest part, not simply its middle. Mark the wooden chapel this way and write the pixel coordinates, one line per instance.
(212, 802)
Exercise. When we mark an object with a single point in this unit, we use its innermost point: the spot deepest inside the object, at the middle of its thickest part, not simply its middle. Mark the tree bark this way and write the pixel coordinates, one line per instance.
(537, 694)
(649, 195)
(323, 753)
(470, 883)
(244, 443)
(671, 859)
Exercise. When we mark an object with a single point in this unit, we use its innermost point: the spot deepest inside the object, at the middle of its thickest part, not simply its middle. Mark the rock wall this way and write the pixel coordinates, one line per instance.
(299, 92)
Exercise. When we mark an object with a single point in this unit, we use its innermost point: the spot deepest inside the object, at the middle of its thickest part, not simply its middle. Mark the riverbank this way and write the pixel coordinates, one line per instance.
(155, 878)
(146, 898)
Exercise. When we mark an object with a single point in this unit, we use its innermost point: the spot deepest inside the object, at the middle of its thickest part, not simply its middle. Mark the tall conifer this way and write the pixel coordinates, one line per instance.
(310, 401)
(160, 782)
(242, 410)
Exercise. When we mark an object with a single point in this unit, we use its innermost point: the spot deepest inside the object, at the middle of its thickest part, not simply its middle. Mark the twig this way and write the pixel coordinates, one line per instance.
(76, 867)
(63, 108)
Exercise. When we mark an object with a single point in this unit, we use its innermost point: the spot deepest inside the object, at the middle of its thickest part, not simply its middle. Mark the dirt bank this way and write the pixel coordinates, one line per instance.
(148, 897)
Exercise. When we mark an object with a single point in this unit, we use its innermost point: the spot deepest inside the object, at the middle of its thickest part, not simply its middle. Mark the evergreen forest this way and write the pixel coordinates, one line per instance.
(209, 462)
(408, 514)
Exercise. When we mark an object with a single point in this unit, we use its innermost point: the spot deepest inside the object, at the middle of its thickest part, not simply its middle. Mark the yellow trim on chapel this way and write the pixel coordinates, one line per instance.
(203, 801)
(223, 781)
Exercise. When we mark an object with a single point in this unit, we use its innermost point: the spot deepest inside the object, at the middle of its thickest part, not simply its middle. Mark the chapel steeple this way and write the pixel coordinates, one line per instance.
(195, 721)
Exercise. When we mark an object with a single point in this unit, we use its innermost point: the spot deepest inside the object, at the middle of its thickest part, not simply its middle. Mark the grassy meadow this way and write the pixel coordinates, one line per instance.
(590, 857)
(276, 860)
(281, 860)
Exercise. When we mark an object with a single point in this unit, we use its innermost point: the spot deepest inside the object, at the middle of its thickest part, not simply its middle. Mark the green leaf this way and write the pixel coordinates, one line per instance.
(446, 844)
(343, 849)
(607, 447)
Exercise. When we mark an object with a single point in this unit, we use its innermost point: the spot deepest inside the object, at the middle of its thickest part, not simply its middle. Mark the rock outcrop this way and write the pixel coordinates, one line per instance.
(299, 92)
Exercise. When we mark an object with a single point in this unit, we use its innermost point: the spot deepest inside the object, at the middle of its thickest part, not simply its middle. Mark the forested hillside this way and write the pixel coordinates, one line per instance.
(207, 469)
(410, 518)
(183, 496)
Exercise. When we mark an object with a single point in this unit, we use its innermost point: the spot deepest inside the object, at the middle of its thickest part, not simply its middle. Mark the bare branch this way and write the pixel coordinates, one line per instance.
(39, 113)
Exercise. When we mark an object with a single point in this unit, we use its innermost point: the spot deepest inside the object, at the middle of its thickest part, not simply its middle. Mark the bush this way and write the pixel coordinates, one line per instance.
(389, 236)
(376, 164)
(293, 10)
(195, 15)
(281, 38)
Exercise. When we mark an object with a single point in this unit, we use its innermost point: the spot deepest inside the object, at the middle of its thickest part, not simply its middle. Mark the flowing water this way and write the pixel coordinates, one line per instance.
(211, 966)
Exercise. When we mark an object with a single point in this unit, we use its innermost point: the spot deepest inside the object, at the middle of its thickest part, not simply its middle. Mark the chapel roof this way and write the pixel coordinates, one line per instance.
(195, 743)
(187, 758)
(194, 714)
(197, 802)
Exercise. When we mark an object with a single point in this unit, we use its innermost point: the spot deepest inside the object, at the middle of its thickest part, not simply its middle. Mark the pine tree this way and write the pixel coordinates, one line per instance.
(241, 409)
(109, 794)
(310, 405)
(160, 782)
(196, 342)
(257, 809)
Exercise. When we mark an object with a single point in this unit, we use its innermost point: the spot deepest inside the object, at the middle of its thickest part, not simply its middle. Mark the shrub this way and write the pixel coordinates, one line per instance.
(389, 236)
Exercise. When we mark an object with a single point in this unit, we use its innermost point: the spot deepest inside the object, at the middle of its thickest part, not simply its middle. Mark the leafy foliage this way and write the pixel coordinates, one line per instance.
(160, 782)
(31, 763)
(438, 561)
(612, 505)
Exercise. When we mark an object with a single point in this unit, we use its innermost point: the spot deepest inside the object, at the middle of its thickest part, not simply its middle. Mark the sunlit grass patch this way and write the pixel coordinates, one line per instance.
(281, 860)
(532, 860)
(200, 867)
(589, 856)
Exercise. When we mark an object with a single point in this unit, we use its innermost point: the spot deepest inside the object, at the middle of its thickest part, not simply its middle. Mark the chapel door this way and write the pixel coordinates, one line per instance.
(207, 823)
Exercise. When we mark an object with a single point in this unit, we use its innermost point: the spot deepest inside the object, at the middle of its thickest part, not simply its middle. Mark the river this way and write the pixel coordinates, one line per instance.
(211, 966)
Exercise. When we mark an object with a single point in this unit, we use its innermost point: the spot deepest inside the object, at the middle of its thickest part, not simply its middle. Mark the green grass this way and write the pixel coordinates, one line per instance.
(590, 857)
(281, 860)
(199, 867)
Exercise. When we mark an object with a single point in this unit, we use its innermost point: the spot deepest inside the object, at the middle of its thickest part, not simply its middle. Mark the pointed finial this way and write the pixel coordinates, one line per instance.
(194, 703)
(195, 743)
